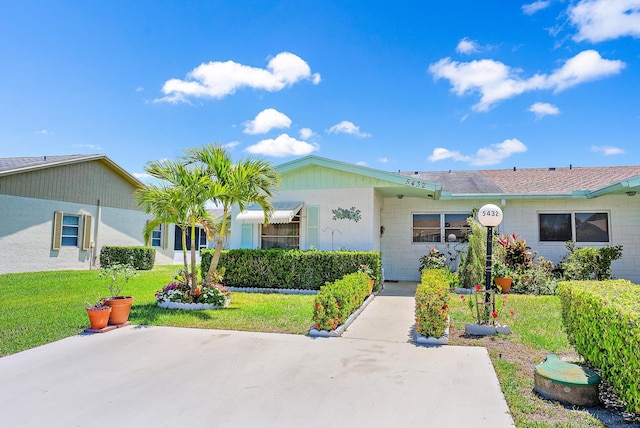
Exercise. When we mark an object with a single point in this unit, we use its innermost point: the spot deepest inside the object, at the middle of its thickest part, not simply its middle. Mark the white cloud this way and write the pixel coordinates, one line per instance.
(361, 163)
(536, 6)
(267, 120)
(283, 145)
(496, 81)
(44, 132)
(600, 20)
(139, 89)
(142, 175)
(307, 133)
(491, 155)
(232, 144)
(346, 127)
(383, 160)
(466, 46)
(607, 150)
(544, 109)
(218, 79)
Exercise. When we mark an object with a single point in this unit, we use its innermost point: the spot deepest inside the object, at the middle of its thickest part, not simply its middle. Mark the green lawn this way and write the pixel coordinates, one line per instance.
(42, 307)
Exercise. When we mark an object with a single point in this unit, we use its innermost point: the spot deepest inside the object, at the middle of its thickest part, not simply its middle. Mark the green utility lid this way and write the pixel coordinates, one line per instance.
(566, 373)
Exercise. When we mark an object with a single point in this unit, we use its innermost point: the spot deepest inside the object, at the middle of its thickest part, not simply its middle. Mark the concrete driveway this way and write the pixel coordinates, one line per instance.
(174, 377)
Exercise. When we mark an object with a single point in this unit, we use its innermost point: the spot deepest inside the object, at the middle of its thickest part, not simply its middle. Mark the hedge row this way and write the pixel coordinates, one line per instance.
(307, 270)
(602, 319)
(140, 258)
(432, 303)
(337, 300)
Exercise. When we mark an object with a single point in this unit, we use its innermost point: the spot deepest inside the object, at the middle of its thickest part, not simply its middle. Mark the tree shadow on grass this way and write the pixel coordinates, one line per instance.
(150, 313)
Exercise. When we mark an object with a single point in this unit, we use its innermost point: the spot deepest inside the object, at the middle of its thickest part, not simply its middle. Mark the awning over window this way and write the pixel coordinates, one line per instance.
(283, 212)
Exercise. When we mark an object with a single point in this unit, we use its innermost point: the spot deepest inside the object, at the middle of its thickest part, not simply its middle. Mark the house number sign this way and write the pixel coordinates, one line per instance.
(414, 183)
(490, 215)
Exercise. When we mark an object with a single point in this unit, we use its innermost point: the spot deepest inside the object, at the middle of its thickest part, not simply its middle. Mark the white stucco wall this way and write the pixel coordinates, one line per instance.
(362, 235)
(27, 229)
(400, 256)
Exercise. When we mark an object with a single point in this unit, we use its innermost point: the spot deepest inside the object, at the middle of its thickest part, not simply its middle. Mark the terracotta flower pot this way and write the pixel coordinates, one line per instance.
(98, 318)
(504, 284)
(120, 308)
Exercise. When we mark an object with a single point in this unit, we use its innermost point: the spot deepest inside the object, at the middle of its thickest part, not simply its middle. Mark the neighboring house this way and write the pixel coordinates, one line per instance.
(58, 211)
(325, 204)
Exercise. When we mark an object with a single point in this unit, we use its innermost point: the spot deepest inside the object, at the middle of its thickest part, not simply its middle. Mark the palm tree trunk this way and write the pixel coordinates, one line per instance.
(216, 254)
(184, 254)
(194, 279)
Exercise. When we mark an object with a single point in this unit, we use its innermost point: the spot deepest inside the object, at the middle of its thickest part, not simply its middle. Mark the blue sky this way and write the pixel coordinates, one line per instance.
(402, 85)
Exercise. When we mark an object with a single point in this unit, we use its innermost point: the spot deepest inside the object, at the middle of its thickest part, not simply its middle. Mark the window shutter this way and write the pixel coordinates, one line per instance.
(57, 231)
(86, 232)
(246, 236)
(165, 235)
(313, 224)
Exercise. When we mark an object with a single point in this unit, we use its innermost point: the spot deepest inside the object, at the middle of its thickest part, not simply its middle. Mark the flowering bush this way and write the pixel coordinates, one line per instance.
(433, 260)
(432, 303)
(216, 294)
(366, 269)
(337, 300)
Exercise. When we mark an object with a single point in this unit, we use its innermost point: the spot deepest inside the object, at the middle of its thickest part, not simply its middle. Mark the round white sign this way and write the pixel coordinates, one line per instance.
(490, 215)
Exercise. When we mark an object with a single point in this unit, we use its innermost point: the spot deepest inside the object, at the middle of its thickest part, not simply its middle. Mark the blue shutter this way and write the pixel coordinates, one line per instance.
(246, 236)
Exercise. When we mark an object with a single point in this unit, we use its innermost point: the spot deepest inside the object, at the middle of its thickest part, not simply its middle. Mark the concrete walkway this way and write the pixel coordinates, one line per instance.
(389, 317)
(167, 377)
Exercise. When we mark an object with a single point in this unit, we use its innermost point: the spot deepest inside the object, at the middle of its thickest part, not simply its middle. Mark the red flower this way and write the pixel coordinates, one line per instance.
(478, 287)
(197, 292)
(463, 298)
(494, 314)
(512, 313)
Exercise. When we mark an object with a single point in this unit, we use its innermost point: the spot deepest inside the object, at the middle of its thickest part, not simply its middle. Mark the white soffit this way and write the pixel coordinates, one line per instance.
(283, 212)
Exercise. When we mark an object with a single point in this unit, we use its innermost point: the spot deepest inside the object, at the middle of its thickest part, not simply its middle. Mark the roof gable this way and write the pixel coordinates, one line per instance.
(318, 172)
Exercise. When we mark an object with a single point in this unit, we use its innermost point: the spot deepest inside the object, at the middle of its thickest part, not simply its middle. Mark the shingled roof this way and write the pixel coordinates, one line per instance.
(529, 180)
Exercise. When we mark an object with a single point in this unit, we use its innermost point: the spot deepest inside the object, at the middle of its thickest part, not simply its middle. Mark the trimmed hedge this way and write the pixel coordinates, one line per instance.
(307, 270)
(337, 300)
(602, 319)
(140, 258)
(432, 303)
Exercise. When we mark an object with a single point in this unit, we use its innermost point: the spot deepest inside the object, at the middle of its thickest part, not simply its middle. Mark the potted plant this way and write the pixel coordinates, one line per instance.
(502, 276)
(117, 276)
(98, 314)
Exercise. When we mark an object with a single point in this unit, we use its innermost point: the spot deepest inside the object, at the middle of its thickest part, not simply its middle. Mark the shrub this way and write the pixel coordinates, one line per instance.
(602, 320)
(433, 260)
(539, 278)
(307, 270)
(140, 258)
(432, 303)
(337, 300)
(589, 263)
(472, 265)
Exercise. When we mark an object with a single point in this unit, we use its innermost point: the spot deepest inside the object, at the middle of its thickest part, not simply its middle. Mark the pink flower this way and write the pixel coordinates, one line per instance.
(478, 287)
(512, 313)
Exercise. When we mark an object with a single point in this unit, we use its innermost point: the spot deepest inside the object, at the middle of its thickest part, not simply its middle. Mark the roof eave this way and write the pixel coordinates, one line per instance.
(447, 196)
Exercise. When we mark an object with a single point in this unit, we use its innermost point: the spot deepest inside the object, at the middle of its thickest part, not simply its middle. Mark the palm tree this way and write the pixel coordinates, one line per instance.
(181, 201)
(246, 182)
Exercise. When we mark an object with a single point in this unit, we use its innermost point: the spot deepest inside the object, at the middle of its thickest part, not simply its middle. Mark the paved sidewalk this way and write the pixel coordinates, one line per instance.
(168, 377)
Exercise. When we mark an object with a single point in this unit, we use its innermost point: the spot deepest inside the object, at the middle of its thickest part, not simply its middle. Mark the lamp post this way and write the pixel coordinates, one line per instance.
(489, 216)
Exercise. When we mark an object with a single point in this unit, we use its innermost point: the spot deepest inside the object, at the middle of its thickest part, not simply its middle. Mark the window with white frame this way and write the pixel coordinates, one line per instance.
(70, 230)
(281, 235)
(156, 236)
(575, 226)
(436, 227)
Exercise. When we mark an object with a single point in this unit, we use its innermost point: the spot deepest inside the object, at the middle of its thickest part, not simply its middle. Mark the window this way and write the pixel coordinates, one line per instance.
(437, 227)
(201, 238)
(281, 235)
(156, 236)
(70, 230)
(579, 227)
